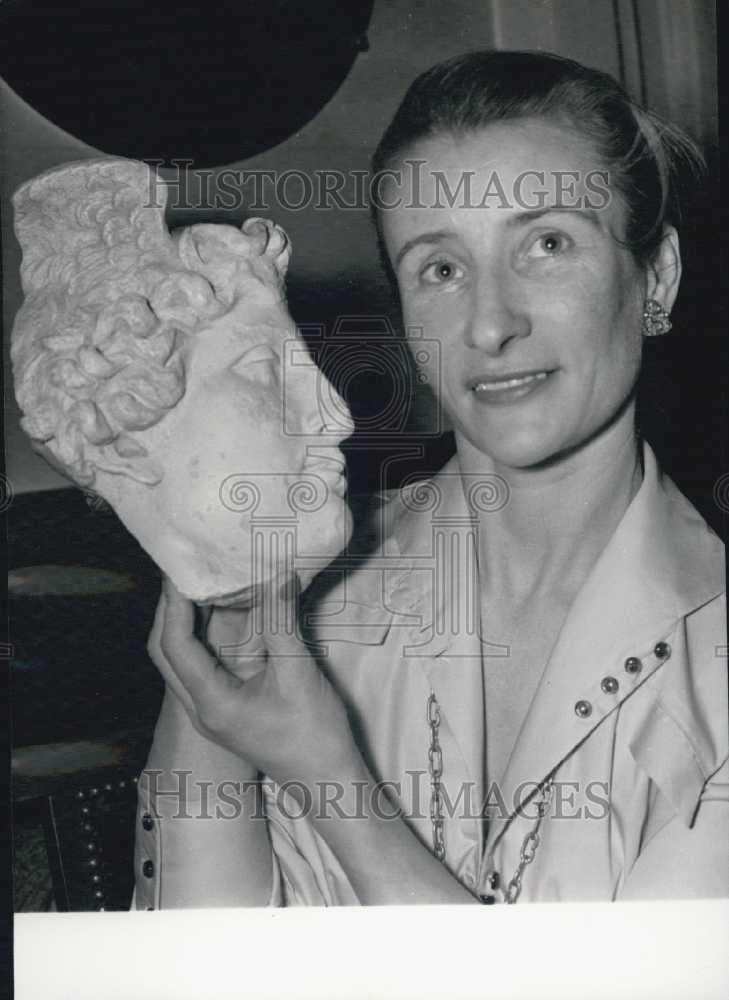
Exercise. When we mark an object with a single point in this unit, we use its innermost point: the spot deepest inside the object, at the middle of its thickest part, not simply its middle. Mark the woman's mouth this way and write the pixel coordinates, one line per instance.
(509, 386)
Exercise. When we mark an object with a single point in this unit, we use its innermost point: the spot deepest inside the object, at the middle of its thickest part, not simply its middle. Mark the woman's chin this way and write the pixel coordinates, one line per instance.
(518, 452)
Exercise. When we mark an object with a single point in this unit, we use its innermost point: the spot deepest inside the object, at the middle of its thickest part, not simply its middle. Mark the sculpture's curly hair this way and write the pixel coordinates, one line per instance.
(95, 348)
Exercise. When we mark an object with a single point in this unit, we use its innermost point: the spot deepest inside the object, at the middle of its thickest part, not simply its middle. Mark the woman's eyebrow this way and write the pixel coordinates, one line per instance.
(524, 218)
(432, 237)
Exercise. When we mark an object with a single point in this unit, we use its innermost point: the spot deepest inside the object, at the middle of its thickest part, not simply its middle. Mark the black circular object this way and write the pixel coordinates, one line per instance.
(211, 82)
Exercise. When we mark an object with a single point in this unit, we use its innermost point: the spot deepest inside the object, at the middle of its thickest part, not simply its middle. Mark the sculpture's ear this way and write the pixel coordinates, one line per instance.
(125, 456)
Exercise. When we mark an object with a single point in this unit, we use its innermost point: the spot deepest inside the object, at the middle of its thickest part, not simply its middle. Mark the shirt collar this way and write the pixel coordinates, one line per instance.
(661, 563)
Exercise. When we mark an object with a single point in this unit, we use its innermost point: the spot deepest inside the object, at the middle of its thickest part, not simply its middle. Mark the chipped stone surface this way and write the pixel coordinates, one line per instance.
(150, 366)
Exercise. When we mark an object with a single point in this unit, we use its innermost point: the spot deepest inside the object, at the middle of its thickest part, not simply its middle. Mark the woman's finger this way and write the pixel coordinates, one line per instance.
(154, 649)
(286, 651)
(209, 685)
(234, 639)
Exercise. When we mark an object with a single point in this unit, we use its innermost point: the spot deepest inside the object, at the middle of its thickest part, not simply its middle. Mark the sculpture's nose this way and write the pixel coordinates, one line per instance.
(333, 416)
(312, 406)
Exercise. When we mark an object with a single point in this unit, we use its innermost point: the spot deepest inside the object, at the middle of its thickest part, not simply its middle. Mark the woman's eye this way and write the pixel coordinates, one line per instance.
(549, 245)
(260, 364)
(440, 272)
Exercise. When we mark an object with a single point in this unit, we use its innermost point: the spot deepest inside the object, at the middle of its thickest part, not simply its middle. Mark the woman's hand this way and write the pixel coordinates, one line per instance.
(265, 700)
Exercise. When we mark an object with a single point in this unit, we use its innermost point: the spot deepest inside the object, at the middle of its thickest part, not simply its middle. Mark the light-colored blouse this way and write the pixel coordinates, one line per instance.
(628, 725)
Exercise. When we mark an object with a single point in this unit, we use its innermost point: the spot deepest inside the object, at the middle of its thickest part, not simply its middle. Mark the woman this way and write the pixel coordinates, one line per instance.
(573, 745)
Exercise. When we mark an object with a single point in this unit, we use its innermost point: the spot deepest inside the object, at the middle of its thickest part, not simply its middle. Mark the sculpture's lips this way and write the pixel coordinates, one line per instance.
(331, 469)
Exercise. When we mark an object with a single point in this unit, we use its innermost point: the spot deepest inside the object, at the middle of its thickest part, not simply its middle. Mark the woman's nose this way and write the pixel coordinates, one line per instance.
(495, 317)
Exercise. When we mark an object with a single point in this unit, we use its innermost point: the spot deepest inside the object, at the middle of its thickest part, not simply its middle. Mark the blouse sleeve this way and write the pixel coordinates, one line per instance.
(306, 871)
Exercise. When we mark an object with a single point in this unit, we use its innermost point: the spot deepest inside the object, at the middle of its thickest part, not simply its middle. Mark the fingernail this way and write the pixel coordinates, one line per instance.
(291, 589)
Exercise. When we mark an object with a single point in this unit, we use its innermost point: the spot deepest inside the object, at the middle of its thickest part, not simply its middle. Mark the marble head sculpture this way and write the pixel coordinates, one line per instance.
(163, 371)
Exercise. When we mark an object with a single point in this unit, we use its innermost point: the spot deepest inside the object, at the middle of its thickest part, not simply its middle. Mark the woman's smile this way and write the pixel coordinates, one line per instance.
(509, 387)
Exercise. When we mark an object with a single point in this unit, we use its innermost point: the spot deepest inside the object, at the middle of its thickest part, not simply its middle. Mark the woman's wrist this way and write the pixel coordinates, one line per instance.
(179, 748)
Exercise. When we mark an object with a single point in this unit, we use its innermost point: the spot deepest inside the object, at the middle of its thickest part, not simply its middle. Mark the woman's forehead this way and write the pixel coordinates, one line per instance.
(536, 142)
(499, 170)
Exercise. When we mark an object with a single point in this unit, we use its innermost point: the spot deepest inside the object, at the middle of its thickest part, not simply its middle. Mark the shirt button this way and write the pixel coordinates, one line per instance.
(147, 821)
(488, 900)
(633, 665)
(609, 685)
(583, 709)
(493, 880)
(148, 869)
(662, 650)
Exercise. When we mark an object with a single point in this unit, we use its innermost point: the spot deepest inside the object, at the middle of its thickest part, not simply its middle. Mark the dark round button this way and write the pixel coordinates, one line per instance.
(150, 907)
(148, 869)
(493, 880)
(662, 650)
(633, 665)
(609, 685)
(583, 709)
(487, 900)
(147, 821)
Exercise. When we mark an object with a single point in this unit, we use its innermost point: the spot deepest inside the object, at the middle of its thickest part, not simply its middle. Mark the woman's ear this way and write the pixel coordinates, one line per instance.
(664, 271)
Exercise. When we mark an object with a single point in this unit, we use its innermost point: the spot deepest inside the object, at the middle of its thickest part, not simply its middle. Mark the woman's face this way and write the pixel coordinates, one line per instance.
(537, 308)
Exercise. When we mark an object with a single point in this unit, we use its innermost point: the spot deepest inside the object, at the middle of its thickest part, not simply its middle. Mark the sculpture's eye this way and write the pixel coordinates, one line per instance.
(260, 364)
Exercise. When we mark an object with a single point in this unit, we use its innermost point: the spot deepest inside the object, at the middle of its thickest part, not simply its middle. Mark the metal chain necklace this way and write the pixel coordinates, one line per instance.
(531, 841)
(435, 768)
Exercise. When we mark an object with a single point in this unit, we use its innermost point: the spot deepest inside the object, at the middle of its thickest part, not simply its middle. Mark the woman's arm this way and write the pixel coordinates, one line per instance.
(213, 851)
(197, 848)
(290, 722)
